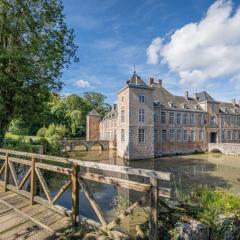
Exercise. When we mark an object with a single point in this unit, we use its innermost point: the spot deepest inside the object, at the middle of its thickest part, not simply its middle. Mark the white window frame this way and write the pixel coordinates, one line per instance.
(141, 135)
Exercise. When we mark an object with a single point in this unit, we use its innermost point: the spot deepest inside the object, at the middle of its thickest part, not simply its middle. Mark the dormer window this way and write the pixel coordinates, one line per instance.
(170, 104)
(183, 105)
(197, 107)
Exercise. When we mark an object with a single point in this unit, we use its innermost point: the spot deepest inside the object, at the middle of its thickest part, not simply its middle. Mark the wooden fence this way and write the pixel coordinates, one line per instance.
(76, 178)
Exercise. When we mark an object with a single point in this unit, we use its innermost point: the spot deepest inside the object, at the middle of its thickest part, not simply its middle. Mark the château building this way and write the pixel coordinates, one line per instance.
(148, 121)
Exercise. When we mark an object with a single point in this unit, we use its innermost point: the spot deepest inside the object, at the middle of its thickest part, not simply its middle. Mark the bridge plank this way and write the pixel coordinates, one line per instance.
(22, 231)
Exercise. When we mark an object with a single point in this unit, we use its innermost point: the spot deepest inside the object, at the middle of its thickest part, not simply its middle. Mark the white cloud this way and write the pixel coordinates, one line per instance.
(153, 51)
(205, 50)
(82, 84)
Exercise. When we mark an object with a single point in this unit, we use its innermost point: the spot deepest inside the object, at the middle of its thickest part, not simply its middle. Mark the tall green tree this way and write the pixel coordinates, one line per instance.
(97, 101)
(35, 45)
(71, 111)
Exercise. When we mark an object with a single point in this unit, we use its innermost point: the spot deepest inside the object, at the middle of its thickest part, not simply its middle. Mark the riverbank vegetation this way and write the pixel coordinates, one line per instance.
(62, 117)
(204, 213)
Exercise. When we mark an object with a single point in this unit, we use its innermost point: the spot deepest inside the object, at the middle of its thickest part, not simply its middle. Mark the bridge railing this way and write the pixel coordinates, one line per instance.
(75, 170)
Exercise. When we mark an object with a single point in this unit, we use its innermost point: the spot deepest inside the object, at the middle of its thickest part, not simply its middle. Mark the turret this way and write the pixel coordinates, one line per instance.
(93, 121)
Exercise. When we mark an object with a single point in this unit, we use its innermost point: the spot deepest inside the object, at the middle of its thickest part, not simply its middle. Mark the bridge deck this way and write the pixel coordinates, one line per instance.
(19, 220)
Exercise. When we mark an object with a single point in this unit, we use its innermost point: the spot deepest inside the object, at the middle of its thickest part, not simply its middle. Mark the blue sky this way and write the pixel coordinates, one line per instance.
(181, 42)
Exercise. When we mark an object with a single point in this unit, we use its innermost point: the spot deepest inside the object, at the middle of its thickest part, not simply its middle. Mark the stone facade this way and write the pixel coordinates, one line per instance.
(149, 121)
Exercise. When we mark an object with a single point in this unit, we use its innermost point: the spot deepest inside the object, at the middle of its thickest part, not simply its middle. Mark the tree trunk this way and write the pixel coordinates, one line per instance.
(2, 135)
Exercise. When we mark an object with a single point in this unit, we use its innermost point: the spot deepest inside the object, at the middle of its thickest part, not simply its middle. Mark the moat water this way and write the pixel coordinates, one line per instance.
(189, 171)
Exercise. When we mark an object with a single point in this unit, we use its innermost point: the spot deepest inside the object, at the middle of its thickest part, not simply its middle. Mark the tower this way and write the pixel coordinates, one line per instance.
(93, 121)
(135, 138)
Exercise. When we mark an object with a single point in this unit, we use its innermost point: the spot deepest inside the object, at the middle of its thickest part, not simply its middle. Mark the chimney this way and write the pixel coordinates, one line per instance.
(159, 82)
(195, 96)
(150, 81)
(234, 101)
(186, 95)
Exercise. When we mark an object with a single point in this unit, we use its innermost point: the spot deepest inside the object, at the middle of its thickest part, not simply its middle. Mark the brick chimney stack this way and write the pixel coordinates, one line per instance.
(186, 95)
(159, 82)
(150, 81)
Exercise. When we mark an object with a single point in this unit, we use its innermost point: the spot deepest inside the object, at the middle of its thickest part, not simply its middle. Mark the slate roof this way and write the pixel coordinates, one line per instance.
(136, 80)
(229, 108)
(163, 97)
(111, 114)
(93, 113)
(204, 96)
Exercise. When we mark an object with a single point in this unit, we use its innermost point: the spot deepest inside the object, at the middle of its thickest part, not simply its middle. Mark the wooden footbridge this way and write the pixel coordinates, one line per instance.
(26, 214)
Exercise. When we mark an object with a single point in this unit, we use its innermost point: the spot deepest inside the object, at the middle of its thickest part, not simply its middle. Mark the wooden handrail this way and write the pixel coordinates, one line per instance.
(100, 166)
(73, 169)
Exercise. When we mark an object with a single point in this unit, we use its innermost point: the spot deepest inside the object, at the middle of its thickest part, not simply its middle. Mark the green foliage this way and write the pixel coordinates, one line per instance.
(55, 134)
(208, 204)
(41, 132)
(21, 144)
(18, 127)
(35, 45)
(97, 101)
(121, 204)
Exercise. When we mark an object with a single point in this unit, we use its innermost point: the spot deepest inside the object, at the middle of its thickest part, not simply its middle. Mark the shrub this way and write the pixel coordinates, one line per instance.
(41, 132)
(55, 135)
(208, 204)
(18, 127)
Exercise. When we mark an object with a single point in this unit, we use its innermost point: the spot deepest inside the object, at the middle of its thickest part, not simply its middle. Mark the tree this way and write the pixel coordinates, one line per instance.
(97, 102)
(18, 127)
(71, 111)
(35, 45)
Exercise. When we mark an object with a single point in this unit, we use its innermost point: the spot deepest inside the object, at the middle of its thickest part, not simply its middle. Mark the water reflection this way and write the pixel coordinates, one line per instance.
(189, 171)
(211, 169)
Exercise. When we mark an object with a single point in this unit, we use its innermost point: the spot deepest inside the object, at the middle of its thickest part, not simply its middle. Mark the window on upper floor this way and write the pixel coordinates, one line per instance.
(163, 117)
(122, 135)
(155, 116)
(141, 115)
(141, 99)
(223, 136)
(122, 116)
(212, 121)
(200, 119)
(122, 98)
(171, 119)
(185, 117)
(141, 135)
(192, 118)
(222, 121)
(178, 118)
(238, 121)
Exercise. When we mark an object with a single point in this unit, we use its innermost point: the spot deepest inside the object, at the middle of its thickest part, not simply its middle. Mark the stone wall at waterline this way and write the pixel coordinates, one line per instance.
(225, 148)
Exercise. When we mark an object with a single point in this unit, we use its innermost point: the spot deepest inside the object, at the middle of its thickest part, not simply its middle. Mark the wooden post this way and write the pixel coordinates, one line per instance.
(33, 181)
(6, 176)
(75, 194)
(153, 221)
